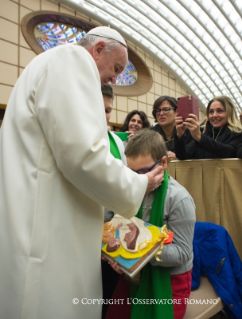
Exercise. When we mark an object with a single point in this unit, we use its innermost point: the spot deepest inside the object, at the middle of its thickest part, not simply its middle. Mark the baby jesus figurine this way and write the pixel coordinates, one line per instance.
(133, 234)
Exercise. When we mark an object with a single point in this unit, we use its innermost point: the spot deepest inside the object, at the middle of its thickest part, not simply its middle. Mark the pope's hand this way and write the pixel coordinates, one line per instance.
(155, 178)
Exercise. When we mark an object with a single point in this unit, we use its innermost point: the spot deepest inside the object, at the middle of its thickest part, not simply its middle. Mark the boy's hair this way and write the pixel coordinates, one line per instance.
(146, 142)
(107, 90)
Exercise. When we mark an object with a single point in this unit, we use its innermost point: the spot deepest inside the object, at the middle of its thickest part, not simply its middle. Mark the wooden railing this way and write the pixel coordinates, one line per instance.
(216, 187)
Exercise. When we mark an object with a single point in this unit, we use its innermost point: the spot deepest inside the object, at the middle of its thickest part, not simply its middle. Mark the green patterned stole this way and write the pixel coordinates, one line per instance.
(155, 282)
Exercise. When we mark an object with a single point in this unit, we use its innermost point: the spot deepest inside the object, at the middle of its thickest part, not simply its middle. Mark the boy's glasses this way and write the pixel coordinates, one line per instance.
(165, 110)
(148, 169)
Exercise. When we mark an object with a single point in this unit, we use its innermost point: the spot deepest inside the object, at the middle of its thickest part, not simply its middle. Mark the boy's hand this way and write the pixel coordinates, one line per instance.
(155, 178)
(115, 267)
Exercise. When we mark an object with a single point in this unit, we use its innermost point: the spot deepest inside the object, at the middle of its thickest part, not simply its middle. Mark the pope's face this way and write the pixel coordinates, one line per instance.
(110, 64)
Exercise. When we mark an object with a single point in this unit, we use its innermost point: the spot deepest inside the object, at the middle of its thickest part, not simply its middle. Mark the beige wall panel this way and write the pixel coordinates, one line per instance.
(171, 76)
(113, 118)
(151, 120)
(66, 10)
(163, 71)
(157, 67)
(5, 92)
(152, 73)
(178, 94)
(31, 4)
(8, 52)
(158, 89)
(82, 17)
(8, 73)
(142, 98)
(115, 102)
(183, 91)
(165, 81)
(178, 87)
(140, 54)
(23, 12)
(165, 90)
(149, 62)
(23, 42)
(131, 45)
(172, 93)
(142, 107)
(149, 110)
(94, 22)
(21, 71)
(152, 89)
(122, 103)
(172, 84)
(8, 31)
(157, 77)
(132, 105)
(47, 5)
(9, 10)
(150, 98)
(201, 116)
(121, 117)
(26, 56)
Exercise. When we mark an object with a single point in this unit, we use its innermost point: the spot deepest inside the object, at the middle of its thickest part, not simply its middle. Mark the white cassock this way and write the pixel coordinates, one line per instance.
(56, 173)
(120, 145)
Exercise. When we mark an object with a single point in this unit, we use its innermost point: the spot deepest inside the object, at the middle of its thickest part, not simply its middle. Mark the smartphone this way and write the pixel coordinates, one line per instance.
(186, 105)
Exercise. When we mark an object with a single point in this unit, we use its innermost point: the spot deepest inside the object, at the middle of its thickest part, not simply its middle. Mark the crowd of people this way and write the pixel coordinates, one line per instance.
(59, 166)
(219, 135)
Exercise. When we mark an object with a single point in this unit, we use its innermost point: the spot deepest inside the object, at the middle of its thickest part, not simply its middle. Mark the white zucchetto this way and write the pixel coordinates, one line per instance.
(109, 33)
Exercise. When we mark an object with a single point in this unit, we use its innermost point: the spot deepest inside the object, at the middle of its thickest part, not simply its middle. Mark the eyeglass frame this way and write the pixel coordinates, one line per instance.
(158, 111)
(148, 169)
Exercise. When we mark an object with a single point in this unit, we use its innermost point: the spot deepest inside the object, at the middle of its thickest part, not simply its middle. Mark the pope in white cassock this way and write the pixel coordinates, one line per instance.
(56, 173)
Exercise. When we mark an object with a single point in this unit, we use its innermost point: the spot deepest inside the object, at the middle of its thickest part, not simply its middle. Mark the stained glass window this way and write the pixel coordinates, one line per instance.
(52, 34)
(128, 76)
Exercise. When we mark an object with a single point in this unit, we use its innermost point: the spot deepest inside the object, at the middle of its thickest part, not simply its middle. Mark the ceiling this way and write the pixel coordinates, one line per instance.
(197, 41)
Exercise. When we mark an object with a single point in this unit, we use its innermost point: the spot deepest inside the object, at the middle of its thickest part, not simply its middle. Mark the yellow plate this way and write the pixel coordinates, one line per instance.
(128, 255)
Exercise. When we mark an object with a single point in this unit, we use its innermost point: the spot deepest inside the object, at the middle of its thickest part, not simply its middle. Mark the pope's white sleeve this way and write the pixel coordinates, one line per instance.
(69, 107)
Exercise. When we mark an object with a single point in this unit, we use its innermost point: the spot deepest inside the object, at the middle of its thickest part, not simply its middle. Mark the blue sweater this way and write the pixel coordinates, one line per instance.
(216, 258)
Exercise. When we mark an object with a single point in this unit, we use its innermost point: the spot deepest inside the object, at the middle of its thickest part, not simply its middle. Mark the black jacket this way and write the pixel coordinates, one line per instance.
(225, 145)
(239, 151)
(170, 145)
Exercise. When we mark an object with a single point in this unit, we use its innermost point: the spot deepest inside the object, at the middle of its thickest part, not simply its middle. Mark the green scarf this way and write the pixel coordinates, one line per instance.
(114, 150)
(155, 282)
(122, 135)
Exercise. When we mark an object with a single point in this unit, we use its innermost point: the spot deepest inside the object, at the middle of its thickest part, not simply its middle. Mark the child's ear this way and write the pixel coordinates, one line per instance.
(164, 162)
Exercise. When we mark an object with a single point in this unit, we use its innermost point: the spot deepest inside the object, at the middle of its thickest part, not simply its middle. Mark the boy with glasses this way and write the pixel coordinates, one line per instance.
(170, 204)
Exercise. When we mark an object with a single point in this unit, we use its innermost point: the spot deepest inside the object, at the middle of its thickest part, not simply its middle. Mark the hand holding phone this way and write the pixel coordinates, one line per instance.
(180, 128)
(188, 105)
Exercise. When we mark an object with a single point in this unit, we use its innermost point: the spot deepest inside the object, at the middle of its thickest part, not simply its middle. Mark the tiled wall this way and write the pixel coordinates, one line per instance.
(15, 54)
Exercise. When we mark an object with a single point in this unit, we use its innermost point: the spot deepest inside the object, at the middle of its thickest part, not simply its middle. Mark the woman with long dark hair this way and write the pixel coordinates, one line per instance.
(164, 112)
(135, 121)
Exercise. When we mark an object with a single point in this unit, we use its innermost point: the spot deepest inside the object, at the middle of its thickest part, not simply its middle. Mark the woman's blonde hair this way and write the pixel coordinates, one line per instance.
(233, 123)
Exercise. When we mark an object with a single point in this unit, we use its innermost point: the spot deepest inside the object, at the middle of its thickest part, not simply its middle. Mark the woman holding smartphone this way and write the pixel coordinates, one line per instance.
(220, 138)
(164, 112)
